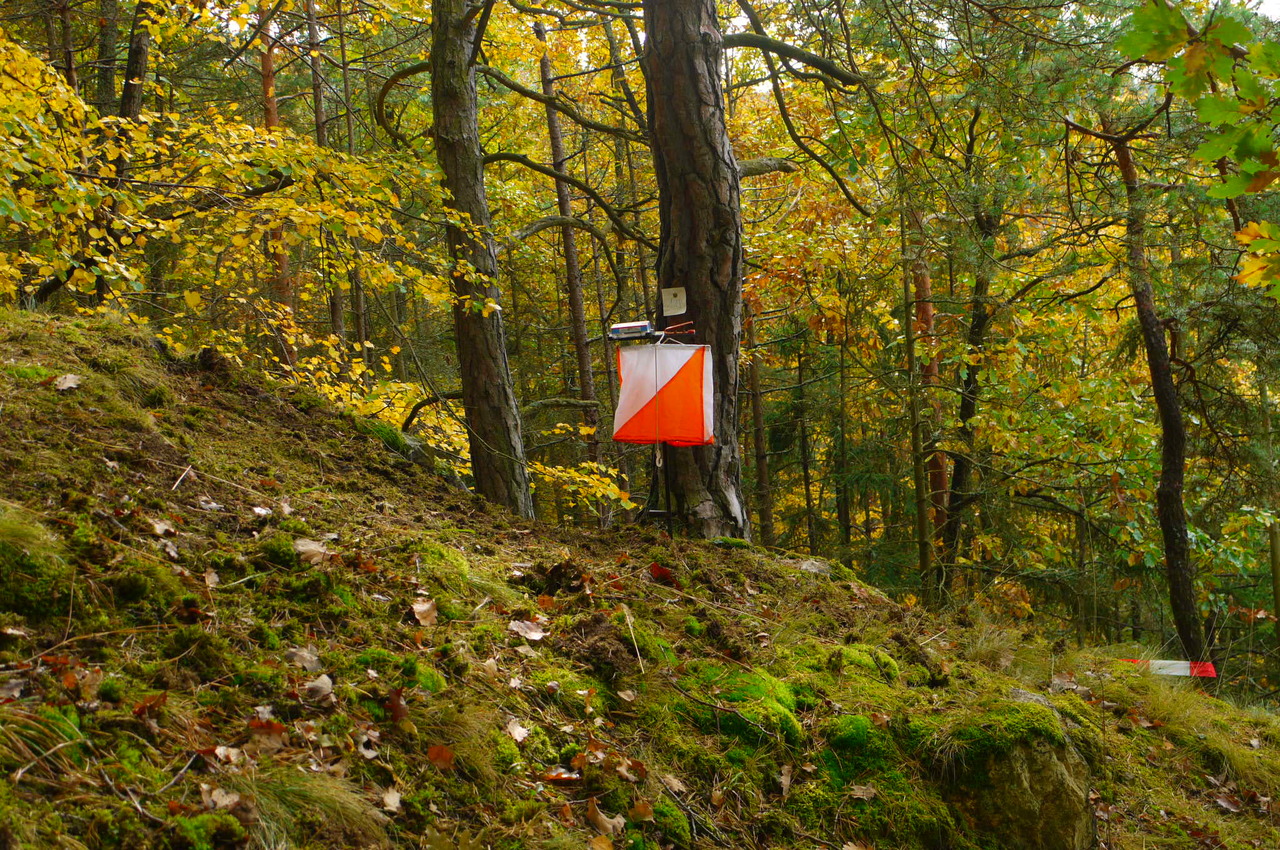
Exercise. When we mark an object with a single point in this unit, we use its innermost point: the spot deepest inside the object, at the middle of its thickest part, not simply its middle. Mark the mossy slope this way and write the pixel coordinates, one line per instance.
(177, 671)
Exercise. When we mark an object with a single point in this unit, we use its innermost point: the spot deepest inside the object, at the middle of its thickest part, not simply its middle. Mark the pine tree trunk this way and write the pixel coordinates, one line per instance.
(493, 424)
(1173, 436)
(700, 244)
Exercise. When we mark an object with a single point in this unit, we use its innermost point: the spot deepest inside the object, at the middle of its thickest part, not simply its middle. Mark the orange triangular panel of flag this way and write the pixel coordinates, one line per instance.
(664, 395)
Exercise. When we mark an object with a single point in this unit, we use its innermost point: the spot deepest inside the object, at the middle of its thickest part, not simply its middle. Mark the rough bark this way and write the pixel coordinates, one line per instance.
(1179, 569)
(700, 246)
(493, 424)
(135, 68)
(572, 265)
(66, 51)
(105, 65)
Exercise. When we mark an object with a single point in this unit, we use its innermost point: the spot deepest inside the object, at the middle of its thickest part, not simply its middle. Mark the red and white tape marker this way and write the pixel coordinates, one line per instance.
(1201, 669)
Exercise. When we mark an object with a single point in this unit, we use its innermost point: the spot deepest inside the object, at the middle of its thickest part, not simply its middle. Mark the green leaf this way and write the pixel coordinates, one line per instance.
(1228, 32)
(1254, 143)
(1265, 57)
(1216, 110)
(1218, 145)
(1155, 32)
(1250, 89)
(1234, 187)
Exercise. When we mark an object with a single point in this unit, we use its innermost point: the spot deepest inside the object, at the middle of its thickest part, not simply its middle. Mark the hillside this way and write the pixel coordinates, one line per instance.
(230, 616)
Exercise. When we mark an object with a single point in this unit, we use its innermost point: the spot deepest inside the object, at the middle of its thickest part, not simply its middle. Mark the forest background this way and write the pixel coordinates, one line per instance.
(1005, 267)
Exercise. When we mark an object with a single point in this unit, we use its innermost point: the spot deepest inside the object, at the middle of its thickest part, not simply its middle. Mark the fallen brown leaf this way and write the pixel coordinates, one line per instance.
(605, 824)
(425, 612)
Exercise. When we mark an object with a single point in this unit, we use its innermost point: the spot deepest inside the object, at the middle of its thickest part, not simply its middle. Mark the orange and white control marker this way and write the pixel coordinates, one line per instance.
(1200, 669)
(665, 395)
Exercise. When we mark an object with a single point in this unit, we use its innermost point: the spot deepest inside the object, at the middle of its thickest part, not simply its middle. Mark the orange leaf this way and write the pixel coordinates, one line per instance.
(441, 756)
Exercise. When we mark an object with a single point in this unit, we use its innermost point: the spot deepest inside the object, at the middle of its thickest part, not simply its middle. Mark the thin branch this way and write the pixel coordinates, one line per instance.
(619, 224)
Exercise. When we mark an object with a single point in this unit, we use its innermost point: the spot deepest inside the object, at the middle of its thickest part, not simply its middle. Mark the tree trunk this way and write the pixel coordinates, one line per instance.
(572, 266)
(935, 461)
(764, 491)
(1173, 435)
(844, 500)
(959, 498)
(919, 474)
(806, 474)
(1273, 530)
(65, 49)
(135, 68)
(700, 245)
(493, 424)
(105, 70)
(317, 77)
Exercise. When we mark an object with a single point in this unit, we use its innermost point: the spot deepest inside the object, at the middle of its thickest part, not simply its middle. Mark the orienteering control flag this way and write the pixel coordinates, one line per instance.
(1200, 669)
(664, 395)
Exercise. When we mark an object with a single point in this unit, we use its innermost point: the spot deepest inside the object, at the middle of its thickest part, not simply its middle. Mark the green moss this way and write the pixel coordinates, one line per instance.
(520, 811)
(144, 386)
(761, 705)
(111, 690)
(205, 654)
(672, 823)
(278, 551)
(391, 436)
(864, 659)
(265, 636)
(35, 580)
(814, 804)
(571, 690)
(260, 681)
(652, 647)
(209, 831)
(306, 399)
(24, 372)
(730, 543)
(506, 754)
(417, 672)
(991, 728)
(904, 810)
(293, 525)
(856, 747)
(694, 627)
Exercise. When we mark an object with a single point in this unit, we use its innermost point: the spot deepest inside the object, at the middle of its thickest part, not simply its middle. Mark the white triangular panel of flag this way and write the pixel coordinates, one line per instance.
(665, 395)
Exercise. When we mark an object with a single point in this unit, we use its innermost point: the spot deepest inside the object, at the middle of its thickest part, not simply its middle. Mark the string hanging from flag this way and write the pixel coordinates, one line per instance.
(665, 395)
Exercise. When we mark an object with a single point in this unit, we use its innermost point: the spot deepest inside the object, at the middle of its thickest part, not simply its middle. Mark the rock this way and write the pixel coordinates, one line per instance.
(815, 566)
(1033, 797)
(1026, 696)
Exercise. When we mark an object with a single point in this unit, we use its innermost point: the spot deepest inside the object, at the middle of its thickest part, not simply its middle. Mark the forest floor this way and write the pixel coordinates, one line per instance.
(230, 616)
